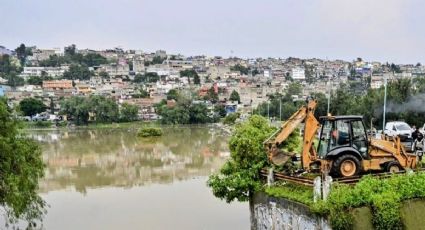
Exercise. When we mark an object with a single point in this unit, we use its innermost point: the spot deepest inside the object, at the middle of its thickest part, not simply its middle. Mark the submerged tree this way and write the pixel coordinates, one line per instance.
(21, 166)
(239, 176)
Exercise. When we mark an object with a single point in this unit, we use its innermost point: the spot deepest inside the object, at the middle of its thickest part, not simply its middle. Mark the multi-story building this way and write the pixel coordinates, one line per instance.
(38, 71)
(298, 73)
(57, 84)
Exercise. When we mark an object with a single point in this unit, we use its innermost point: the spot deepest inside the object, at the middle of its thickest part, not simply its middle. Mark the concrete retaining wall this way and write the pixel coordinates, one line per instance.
(273, 213)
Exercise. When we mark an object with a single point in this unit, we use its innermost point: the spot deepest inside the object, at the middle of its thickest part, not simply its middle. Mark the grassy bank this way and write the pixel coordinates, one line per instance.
(383, 196)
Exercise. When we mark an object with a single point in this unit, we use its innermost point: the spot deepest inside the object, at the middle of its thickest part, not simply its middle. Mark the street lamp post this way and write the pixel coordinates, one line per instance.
(329, 97)
(385, 103)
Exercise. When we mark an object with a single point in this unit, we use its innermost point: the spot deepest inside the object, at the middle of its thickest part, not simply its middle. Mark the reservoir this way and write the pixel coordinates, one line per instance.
(112, 179)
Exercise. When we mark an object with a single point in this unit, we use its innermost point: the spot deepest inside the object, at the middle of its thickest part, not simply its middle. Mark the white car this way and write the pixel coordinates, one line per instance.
(398, 128)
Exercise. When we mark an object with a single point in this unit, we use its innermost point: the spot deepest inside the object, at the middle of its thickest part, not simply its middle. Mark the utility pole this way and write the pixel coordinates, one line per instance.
(329, 97)
(385, 104)
(280, 108)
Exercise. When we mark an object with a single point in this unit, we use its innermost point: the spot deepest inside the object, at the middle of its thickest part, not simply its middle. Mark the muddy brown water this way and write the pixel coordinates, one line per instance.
(111, 179)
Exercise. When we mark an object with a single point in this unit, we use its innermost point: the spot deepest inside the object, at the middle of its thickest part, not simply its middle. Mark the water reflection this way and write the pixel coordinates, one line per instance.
(84, 159)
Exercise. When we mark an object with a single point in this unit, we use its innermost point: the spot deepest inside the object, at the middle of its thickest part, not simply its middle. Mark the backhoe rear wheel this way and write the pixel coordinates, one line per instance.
(393, 167)
(346, 165)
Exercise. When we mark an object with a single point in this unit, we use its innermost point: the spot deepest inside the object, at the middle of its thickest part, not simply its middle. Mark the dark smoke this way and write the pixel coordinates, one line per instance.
(415, 103)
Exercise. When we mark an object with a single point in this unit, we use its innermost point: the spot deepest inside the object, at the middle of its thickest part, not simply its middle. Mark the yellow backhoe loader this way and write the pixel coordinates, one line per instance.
(343, 149)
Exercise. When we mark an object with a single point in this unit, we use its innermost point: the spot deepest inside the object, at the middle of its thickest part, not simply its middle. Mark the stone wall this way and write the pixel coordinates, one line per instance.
(274, 213)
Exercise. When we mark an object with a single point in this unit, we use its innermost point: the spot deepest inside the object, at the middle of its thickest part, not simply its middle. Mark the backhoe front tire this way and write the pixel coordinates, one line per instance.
(346, 165)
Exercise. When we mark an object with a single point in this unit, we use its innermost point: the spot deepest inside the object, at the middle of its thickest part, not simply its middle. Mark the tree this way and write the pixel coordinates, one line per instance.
(21, 168)
(242, 69)
(35, 80)
(173, 94)
(198, 114)
(31, 106)
(22, 52)
(211, 95)
(75, 72)
(70, 50)
(76, 108)
(239, 176)
(104, 75)
(191, 73)
(129, 112)
(220, 110)
(234, 96)
(14, 80)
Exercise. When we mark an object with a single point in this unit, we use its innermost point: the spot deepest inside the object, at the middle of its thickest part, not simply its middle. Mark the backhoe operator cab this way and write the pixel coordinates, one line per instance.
(343, 140)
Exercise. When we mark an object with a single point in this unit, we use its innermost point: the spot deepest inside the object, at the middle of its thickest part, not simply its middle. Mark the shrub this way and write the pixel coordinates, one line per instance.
(150, 132)
(239, 176)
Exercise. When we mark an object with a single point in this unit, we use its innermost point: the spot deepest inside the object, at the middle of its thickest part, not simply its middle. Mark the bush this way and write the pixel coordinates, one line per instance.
(231, 118)
(239, 176)
(150, 132)
(43, 124)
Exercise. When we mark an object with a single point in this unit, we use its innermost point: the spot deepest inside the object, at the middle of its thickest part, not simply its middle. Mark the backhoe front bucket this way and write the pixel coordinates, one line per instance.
(279, 157)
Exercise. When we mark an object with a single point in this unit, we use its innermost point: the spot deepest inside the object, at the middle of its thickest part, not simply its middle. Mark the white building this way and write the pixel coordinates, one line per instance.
(298, 73)
(50, 71)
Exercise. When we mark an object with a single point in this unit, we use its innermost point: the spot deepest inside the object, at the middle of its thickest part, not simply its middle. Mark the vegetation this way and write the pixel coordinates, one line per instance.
(77, 72)
(146, 78)
(21, 167)
(234, 96)
(129, 112)
(72, 57)
(150, 132)
(101, 109)
(190, 73)
(31, 106)
(383, 196)
(231, 118)
(183, 111)
(239, 176)
(242, 69)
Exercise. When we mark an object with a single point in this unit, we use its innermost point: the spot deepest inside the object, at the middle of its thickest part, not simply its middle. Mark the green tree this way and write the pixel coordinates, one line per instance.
(31, 106)
(35, 80)
(211, 95)
(239, 176)
(172, 94)
(220, 110)
(104, 75)
(234, 96)
(129, 112)
(76, 108)
(21, 168)
(105, 109)
(191, 73)
(198, 114)
(22, 53)
(14, 80)
(70, 50)
(242, 69)
(80, 72)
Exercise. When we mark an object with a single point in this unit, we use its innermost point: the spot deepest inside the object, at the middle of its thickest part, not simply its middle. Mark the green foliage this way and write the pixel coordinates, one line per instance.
(129, 112)
(146, 78)
(220, 110)
(21, 166)
(141, 94)
(22, 53)
(72, 57)
(80, 72)
(239, 176)
(231, 118)
(104, 110)
(43, 124)
(191, 73)
(299, 193)
(150, 132)
(234, 96)
(242, 69)
(31, 106)
(173, 94)
(211, 95)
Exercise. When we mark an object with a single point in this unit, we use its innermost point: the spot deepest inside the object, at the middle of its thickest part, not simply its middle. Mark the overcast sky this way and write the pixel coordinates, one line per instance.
(382, 30)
